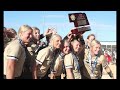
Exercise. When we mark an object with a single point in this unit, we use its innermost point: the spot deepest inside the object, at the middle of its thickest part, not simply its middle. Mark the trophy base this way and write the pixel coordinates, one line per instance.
(81, 29)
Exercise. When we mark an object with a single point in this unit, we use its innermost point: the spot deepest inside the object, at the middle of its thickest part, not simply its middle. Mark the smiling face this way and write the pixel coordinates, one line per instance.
(25, 33)
(66, 48)
(95, 47)
(36, 34)
(57, 42)
(26, 36)
(76, 45)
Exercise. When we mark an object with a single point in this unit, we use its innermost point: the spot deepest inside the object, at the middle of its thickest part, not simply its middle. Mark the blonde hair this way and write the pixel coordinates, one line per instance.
(94, 42)
(64, 41)
(54, 36)
(24, 28)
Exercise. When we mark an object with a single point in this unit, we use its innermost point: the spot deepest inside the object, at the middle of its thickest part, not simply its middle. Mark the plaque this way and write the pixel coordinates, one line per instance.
(80, 21)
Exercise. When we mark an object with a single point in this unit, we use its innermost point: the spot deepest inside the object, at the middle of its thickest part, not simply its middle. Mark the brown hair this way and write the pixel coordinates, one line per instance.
(90, 35)
(35, 28)
(10, 32)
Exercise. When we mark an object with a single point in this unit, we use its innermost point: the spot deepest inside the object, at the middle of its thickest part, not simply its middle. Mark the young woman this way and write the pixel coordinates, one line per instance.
(95, 62)
(15, 55)
(89, 40)
(58, 71)
(46, 56)
(71, 61)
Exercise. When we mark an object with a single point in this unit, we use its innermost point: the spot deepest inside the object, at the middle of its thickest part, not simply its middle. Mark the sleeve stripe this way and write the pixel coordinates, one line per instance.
(12, 56)
(105, 65)
(38, 61)
(70, 66)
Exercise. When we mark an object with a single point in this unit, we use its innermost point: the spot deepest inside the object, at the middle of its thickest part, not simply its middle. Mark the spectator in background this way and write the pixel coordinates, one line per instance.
(107, 56)
(9, 35)
(6, 39)
(89, 40)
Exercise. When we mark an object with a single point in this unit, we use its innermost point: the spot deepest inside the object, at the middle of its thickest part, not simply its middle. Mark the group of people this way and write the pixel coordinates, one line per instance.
(26, 57)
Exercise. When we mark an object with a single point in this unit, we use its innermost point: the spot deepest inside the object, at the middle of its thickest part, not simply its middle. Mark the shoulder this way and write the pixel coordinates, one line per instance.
(102, 58)
(68, 60)
(44, 51)
(15, 44)
(68, 55)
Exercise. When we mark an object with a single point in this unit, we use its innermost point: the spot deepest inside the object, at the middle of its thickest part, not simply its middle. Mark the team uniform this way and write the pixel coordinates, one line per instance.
(29, 62)
(44, 59)
(94, 65)
(6, 41)
(15, 51)
(58, 66)
(72, 61)
(81, 62)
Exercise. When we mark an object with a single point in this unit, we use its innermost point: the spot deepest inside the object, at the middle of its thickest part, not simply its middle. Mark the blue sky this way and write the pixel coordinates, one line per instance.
(102, 23)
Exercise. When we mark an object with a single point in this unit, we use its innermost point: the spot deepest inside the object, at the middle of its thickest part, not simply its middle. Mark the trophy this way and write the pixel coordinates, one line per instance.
(80, 21)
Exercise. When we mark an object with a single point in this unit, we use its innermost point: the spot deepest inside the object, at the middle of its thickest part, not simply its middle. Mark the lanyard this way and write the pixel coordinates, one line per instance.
(53, 60)
(92, 63)
(75, 58)
(62, 55)
(26, 66)
(21, 42)
(23, 45)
